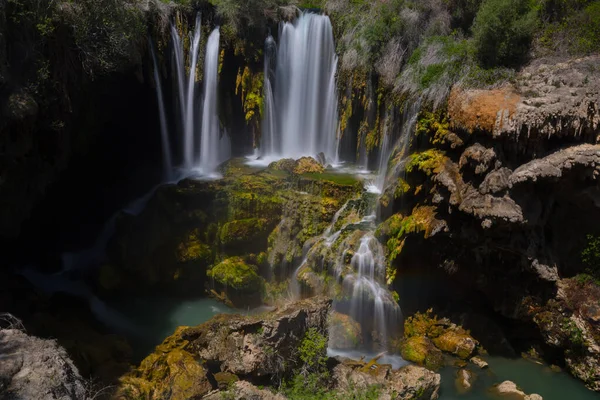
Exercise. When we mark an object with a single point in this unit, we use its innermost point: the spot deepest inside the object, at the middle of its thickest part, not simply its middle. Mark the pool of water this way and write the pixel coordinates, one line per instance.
(528, 375)
(156, 318)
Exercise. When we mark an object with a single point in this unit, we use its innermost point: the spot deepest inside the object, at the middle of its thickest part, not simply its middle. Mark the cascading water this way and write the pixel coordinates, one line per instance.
(268, 128)
(164, 132)
(188, 143)
(214, 147)
(305, 94)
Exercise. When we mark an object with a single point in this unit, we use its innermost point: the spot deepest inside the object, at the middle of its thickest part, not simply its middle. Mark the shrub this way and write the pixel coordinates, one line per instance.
(503, 30)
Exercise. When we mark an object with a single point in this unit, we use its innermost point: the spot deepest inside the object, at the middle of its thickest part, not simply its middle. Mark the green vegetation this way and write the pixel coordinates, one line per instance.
(236, 274)
(503, 30)
(590, 256)
(312, 381)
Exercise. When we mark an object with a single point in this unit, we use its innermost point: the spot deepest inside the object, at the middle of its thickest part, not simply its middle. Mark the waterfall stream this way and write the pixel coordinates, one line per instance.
(164, 132)
(190, 107)
(214, 147)
(304, 107)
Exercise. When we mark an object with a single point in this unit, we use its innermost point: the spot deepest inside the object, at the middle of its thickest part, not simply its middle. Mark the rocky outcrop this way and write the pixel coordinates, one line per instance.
(33, 368)
(549, 99)
(410, 382)
(250, 348)
(244, 391)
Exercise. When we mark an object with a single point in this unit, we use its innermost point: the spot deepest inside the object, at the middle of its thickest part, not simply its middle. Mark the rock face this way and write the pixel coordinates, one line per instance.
(410, 382)
(34, 368)
(246, 347)
(514, 203)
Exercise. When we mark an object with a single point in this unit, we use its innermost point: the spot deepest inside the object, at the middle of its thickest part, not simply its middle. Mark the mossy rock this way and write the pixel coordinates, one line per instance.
(225, 379)
(429, 162)
(192, 249)
(168, 373)
(344, 332)
(456, 341)
(234, 273)
(285, 164)
(244, 231)
(420, 350)
(308, 165)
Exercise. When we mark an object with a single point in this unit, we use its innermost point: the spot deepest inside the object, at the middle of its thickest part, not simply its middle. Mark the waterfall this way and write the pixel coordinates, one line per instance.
(164, 133)
(179, 68)
(188, 143)
(372, 305)
(305, 91)
(214, 149)
(268, 127)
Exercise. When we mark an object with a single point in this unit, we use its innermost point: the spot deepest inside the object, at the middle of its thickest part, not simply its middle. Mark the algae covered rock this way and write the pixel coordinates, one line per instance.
(247, 231)
(344, 332)
(420, 350)
(285, 164)
(252, 347)
(308, 165)
(244, 390)
(456, 341)
(238, 279)
(170, 373)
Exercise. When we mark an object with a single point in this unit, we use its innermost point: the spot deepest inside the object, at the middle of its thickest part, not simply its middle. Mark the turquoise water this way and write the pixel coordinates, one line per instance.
(528, 375)
(156, 318)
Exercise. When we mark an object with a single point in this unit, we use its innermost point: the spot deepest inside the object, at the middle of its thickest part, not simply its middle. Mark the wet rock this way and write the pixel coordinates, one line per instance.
(464, 380)
(225, 380)
(307, 165)
(509, 390)
(239, 280)
(33, 368)
(344, 332)
(479, 362)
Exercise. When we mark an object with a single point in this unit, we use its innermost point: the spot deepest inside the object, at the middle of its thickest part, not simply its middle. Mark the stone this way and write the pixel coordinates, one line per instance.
(285, 164)
(308, 165)
(464, 380)
(420, 350)
(478, 158)
(409, 382)
(509, 390)
(479, 362)
(225, 380)
(34, 368)
(344, 332)
(456, 342)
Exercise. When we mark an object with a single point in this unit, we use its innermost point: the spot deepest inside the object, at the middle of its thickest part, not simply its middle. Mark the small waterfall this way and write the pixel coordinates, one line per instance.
(268, 127)
(372, 305)
(179, 68)
(164, 132)
(384, 153)
(188, 143)
(214, 149)
(305, 90)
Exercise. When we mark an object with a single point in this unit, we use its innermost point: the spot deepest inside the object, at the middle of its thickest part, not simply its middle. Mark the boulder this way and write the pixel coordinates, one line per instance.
(239, 280)
(479, 362)
(33, 368)
(420, 350)
(344, 332)
(509, 390)
(285, 164)
(307, 165)
(232, 346)
(410, 382)
(457, 342)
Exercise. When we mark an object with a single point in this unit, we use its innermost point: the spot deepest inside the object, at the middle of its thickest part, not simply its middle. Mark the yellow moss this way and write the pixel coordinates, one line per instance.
(429, 161)
(433, 124)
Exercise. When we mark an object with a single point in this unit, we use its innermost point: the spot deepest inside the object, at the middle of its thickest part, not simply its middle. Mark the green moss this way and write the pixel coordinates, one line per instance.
(420, 350)
(235, 273)
(433, 124)
(243, 231)
(429, 161)
(338, 179)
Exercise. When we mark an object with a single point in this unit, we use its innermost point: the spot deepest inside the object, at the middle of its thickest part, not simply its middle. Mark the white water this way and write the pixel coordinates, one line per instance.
(179, 68)
(304, 103)
(268, 127)
(214, 147)
(190, 107)
(164, 132)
